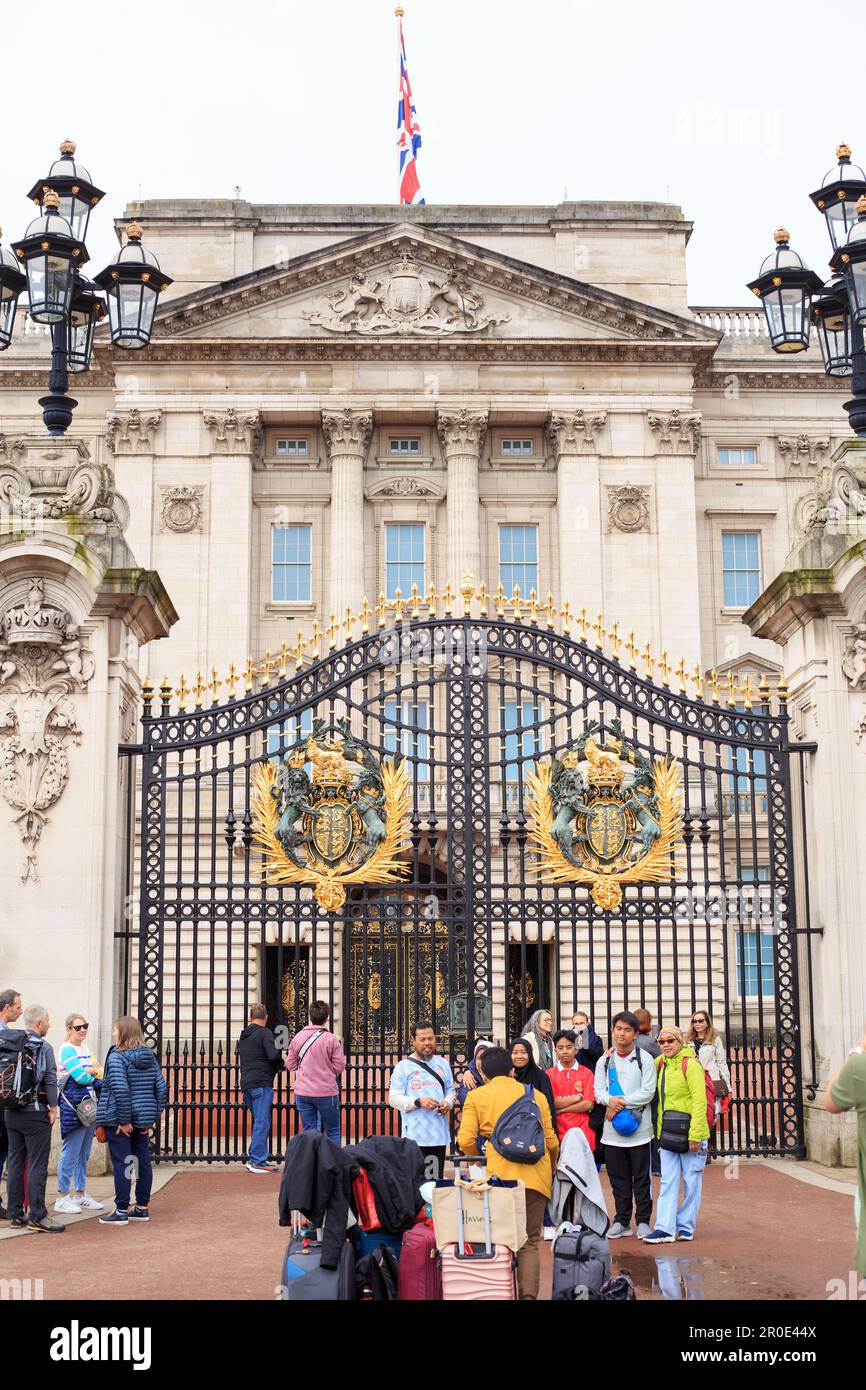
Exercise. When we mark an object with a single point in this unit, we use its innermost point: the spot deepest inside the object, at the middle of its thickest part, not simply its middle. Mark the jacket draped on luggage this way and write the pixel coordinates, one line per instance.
(395, 1168)
(317, 1181)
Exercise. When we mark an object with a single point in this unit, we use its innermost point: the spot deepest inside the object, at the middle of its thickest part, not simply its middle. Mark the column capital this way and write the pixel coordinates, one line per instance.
(676, 431)
(234, 432)
(347, 431)
(575, 431)
(132, 431)
(461, 431)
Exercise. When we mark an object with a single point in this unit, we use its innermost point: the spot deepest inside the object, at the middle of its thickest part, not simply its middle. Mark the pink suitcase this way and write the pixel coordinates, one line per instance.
(477, 1270)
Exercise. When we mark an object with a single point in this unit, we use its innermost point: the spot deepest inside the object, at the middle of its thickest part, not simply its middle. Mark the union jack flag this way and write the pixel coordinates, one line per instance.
(408, 130)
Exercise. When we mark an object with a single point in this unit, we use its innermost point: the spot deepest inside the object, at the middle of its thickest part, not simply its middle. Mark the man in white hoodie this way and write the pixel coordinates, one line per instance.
(625, 1082)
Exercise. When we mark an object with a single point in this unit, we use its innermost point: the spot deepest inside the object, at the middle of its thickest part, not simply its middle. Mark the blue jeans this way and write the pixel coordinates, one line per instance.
(130, 1158)
(259, 1101)
(75, 1151)
(324, 1109)
(682, 1219)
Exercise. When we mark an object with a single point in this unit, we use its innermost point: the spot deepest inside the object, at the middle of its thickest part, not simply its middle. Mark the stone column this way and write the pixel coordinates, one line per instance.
(130, 435)
(816, 610)
(74, 610)
(573, 439)
(347, 434)
(462, 435)
(236, 440)
(677, 435)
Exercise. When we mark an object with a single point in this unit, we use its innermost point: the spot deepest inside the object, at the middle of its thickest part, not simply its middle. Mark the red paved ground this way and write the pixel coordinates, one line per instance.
(215, 1236)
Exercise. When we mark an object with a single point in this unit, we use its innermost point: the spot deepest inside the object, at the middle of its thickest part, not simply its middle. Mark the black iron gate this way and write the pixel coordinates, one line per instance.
(472, 703)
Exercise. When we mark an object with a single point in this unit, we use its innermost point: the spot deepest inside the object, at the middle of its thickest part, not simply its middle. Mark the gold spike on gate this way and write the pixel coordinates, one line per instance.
(633, 652)
(483, 596)
(680, 673)
(249, 672)
(182, 693)
(232, 680)
(598, 629)
(147, 694)
(198, 690)
(365, 615)
(698, 679)
(567, 617)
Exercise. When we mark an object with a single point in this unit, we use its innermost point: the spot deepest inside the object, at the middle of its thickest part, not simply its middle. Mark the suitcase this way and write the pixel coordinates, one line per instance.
(581, 1264)
(365, 1242)
(420, 1277)
(477, 1271)
(302, 1278)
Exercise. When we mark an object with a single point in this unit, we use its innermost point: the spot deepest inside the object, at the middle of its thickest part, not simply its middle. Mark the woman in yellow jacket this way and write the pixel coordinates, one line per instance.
(681, 1088)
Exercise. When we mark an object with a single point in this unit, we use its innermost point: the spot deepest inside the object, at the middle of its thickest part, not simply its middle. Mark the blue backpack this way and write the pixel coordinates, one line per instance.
(518, 1134)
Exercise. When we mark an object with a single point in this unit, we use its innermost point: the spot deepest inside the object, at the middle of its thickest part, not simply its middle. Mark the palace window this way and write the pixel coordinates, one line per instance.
(516, 448)
(283, 736)
(292, 448)
(404, 444)
(404, 557)
(406, 732)
(292, 567)
(755, 964)
(520, 744)
(518, 558)
(741, 566)
(751, 782)
(736, 458)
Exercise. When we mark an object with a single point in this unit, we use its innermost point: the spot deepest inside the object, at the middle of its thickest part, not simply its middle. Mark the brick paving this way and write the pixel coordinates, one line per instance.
(214, 1235)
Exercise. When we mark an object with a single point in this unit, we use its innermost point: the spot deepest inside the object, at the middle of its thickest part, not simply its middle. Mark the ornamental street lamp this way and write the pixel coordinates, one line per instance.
(51, 255)
(794, 297)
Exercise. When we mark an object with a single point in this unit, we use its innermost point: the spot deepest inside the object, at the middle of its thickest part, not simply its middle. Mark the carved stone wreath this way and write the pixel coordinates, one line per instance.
(182, 508)
(628, 508)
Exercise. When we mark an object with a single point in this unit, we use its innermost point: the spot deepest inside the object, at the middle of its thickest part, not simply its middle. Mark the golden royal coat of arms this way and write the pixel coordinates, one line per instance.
(605, 815)
(344, 822)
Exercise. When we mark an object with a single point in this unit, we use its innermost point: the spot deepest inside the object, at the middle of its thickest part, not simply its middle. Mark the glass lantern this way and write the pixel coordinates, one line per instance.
(12, 283)
(87, 310)
(72, 183)
(838, 194)
(133, 283)
(50, 255)
(850, 260)
(785, 287)
(832, 318)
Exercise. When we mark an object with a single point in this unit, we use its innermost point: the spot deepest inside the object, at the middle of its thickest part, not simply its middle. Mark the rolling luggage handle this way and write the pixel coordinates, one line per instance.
(488, 1253)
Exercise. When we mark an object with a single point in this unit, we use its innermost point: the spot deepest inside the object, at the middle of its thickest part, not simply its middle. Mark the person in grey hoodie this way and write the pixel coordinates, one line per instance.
(133, 1096)
(625, 1083)
(29, 1131)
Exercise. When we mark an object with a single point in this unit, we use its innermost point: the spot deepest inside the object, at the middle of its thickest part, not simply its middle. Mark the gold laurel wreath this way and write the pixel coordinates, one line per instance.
(655, 867)
(330, 882)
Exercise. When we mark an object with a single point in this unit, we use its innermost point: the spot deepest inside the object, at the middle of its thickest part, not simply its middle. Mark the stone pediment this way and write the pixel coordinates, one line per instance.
(410, 283)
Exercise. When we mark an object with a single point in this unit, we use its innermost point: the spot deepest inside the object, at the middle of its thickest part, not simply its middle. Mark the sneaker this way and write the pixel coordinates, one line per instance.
(47, 1226)
(260, 1168)
(549, 1233)
(139, 1214)
(67, 1204)
(643, 1230)
(617, 1230)
(117, 1218)
(88, 1203)
(683, 1235)
(658, 1238)
(18, 1222)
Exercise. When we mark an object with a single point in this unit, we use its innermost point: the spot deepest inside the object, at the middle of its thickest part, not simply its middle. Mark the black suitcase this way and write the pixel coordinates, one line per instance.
(303, 1279)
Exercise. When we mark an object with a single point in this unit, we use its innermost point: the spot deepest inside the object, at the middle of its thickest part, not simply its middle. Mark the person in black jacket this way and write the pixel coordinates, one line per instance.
(260, 1061)
(317, 1180)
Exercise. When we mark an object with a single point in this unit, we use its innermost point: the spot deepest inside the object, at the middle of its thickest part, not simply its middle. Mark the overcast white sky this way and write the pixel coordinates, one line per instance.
(708, 106)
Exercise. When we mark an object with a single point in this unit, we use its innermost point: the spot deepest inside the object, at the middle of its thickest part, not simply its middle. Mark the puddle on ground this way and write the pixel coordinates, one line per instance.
(676, 1279)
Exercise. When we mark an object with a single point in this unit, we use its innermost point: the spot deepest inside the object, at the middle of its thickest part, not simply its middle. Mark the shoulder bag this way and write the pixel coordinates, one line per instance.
(675, 1123)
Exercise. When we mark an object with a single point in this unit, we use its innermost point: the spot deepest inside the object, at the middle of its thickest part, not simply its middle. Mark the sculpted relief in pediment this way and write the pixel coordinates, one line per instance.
(406, 299)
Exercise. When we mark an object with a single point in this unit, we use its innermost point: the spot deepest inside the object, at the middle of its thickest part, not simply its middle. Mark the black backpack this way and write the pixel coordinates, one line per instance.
(19, 1065)
(376, 1276)
(518, 1134)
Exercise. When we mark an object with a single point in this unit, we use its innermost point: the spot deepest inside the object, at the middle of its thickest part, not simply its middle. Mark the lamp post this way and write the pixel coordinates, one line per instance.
(49, 259)
(794, 297)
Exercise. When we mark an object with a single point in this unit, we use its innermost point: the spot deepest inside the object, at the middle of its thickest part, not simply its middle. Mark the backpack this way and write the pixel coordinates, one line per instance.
(19, 1070)
(376, 1276)
(581, 1265)
(708, 1087)
(519, 1132)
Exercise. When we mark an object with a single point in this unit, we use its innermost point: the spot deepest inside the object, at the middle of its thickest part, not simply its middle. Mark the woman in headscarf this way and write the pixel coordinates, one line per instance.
(472, 1076)
(528, 1073)
(539, 1034)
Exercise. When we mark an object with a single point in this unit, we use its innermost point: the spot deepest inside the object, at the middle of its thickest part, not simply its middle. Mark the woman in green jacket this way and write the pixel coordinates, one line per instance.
(681, 1087)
